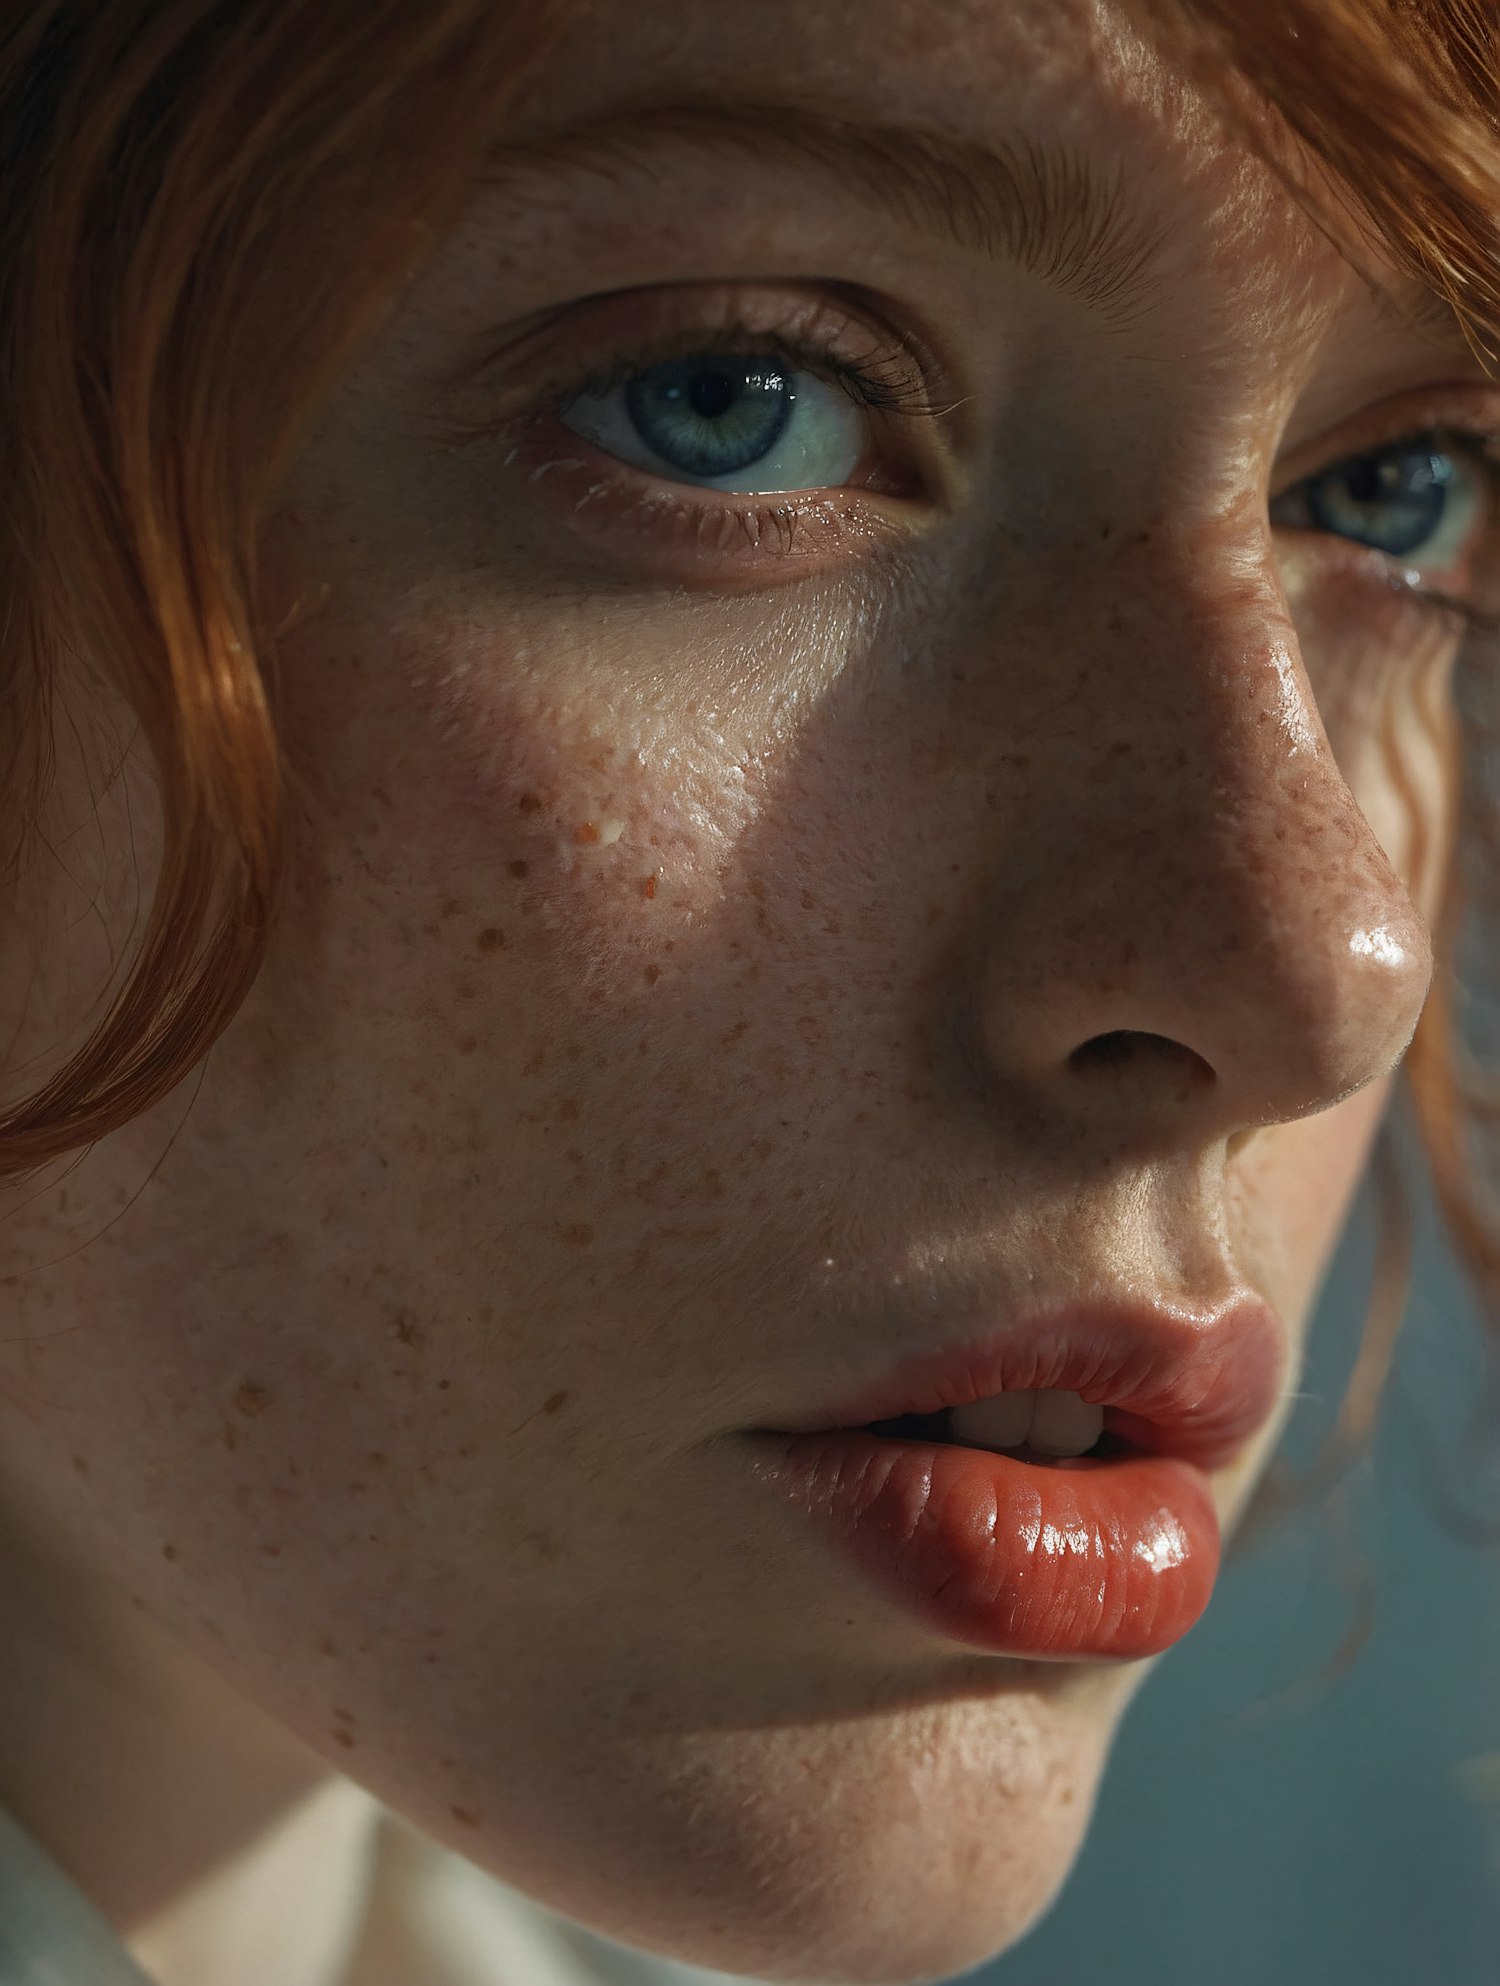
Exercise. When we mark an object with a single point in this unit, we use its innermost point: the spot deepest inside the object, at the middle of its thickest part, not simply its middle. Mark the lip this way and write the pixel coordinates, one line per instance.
(1094, 1558)
(1195, 1383)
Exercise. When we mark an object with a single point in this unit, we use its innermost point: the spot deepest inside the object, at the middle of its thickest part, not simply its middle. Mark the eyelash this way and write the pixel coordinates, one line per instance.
(883, 384)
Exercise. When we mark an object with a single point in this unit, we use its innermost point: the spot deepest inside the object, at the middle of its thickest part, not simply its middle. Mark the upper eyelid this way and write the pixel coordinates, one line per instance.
(806, 322)
(1467, 413)
(908, 399)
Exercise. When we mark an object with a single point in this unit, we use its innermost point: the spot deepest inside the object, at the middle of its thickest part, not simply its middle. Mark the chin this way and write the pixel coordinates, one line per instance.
(873, 1852)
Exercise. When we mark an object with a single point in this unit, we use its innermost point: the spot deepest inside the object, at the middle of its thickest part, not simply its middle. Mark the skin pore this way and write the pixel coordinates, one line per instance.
(698, 901)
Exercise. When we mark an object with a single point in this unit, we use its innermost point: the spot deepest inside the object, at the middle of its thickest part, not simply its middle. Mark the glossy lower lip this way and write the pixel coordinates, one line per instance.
(1090, 1559)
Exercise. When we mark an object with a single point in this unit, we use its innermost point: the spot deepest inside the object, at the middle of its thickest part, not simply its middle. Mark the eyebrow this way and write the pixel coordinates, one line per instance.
(1037, 205)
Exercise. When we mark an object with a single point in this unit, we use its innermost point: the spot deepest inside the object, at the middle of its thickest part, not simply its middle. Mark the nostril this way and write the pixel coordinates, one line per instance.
(1126, 1051)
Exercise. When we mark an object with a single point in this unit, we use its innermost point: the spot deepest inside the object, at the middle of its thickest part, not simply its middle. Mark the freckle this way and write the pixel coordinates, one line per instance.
(251, 1399)
(713, 1184)
(652, 974)
(648, 887)
(577, 1234)
(376, 1460)
(490, 939)
(404, 1327)
(466, 1045)
(529, 803)
(80, 1463)
(327, 1646)
(443, 1385)
(567, 1110)
(733, 1034)
(231, 1438)
(585, 834)
(449, 907)
(808, 900)
(520, 868)
(344, 1738)
(465, 1814)
(169, 1553)
(555, 1402)
(271, 1551)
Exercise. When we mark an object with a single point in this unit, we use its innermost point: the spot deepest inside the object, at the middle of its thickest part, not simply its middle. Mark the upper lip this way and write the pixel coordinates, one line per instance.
(1196, 1383)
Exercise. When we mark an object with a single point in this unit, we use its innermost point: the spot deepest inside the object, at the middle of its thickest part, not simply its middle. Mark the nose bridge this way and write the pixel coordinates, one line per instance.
(1208, 885)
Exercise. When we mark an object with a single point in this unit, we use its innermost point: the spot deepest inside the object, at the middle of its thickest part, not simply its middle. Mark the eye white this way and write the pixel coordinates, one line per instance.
(1455, 526)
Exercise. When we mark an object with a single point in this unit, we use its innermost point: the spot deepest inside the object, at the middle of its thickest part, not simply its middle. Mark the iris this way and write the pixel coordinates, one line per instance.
(1393, 499)
(711, 416)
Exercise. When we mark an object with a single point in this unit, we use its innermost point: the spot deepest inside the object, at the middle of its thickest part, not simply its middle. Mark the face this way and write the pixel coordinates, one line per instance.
(865, 714)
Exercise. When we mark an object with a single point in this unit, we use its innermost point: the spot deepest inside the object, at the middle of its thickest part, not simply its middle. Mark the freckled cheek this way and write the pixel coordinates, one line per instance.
(529, 838)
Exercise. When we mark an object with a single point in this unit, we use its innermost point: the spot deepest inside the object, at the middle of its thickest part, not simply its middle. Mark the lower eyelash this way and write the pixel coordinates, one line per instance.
(681, 533)
(1476, 620)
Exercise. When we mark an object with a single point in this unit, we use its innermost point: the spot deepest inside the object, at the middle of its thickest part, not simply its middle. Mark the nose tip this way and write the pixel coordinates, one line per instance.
(1216, 966)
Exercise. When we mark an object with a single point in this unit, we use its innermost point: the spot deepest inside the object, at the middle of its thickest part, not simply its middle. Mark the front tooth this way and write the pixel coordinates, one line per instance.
(1062, 1424)
(1002, 1421)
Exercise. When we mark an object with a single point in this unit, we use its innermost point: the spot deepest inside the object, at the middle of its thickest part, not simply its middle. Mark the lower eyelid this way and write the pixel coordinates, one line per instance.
(689, 533)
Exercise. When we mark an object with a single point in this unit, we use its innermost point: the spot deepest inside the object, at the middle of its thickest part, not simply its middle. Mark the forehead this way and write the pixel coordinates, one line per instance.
(936, 62)
(1071, 94)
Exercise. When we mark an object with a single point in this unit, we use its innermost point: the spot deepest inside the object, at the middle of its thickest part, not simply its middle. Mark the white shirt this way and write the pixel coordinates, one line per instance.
(340, 1892)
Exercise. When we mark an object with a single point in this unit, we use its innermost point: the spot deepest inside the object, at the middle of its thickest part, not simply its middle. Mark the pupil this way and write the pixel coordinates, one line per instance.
(712, 394)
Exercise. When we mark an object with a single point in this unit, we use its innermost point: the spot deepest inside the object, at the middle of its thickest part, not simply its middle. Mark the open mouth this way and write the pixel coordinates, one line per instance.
(938, 1427)
(1043, 1490)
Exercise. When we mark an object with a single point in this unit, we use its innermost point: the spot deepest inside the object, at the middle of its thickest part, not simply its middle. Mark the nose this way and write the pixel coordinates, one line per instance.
(1199, 931)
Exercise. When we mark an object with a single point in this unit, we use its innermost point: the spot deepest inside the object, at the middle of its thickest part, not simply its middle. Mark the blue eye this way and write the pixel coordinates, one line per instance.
(711, 417)
(744, 422)
(1416, 501)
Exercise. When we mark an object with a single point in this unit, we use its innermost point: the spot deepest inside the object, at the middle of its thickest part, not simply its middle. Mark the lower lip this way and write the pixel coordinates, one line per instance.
(1092, 1558)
